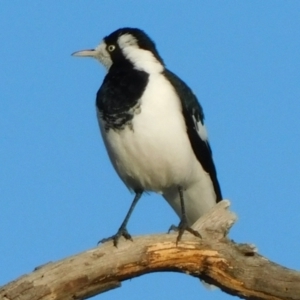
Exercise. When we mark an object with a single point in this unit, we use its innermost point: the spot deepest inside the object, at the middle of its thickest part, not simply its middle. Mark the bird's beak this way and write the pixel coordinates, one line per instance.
(85, 53)
(98, 53)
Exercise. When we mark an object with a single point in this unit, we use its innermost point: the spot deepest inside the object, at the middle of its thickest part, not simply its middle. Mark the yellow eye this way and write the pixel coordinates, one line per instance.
(111, 48)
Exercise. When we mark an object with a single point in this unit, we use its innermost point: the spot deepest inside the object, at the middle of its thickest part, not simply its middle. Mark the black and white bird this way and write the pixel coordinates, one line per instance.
(153, 129)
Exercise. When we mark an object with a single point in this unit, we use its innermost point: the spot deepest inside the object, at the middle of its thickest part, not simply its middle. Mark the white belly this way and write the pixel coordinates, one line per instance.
(155, 153)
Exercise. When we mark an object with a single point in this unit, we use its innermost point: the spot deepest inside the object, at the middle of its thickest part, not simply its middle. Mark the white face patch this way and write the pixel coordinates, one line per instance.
(103, 56)
(141, 59)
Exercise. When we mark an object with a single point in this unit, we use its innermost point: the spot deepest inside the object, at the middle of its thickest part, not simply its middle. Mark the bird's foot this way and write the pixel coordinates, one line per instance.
(115, 238)
(181, 228)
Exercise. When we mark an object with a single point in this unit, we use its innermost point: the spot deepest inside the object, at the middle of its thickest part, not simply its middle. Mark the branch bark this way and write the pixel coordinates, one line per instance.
(237, 269)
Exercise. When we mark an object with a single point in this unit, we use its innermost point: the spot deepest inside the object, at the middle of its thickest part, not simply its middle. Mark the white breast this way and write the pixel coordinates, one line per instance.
(155, 153)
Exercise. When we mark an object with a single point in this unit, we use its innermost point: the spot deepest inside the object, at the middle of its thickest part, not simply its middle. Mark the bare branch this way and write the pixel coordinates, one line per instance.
(235, 268)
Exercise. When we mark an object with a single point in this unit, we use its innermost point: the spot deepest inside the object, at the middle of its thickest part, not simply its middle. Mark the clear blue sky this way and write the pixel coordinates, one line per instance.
(60, 195)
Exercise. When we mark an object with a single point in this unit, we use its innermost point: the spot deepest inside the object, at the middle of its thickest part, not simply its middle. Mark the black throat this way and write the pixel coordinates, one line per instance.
(118, 97)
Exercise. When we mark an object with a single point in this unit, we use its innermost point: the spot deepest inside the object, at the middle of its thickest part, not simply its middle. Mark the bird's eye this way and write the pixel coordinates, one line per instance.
(111, 48)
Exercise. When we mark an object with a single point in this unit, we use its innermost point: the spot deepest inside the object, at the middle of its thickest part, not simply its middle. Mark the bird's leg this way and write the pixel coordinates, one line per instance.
(122, 231)
(183, 224)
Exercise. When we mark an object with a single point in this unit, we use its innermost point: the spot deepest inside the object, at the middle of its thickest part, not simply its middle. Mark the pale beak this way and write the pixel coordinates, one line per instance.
(98, 53)
(85, 53)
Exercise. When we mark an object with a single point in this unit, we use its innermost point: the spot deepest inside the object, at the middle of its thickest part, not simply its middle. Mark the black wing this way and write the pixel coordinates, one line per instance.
(193, 113)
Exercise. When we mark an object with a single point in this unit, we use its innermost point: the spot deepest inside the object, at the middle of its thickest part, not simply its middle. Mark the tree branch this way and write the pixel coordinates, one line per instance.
(235, 268)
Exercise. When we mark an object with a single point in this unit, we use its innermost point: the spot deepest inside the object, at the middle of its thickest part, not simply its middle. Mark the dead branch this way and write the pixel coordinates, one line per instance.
(237, 269)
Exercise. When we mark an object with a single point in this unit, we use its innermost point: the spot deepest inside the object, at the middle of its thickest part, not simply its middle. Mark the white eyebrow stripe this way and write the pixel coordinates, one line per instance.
(141, 59)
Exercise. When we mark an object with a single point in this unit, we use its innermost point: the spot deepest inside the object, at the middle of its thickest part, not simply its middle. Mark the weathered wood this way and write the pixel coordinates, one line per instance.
(235, 268)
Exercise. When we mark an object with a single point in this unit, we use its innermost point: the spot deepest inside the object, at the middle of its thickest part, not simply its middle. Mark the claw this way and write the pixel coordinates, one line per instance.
(181, 228)
(173, 228)
(115, 238)
(183, 225)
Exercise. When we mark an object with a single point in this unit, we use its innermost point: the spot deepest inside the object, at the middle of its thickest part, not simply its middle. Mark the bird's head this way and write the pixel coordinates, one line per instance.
(126, 46)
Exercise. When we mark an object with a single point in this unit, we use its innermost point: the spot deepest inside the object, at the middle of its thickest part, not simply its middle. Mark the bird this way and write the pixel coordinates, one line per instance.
(153, 129)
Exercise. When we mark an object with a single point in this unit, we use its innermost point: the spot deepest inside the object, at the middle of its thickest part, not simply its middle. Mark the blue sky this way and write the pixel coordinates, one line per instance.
(60, 195)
